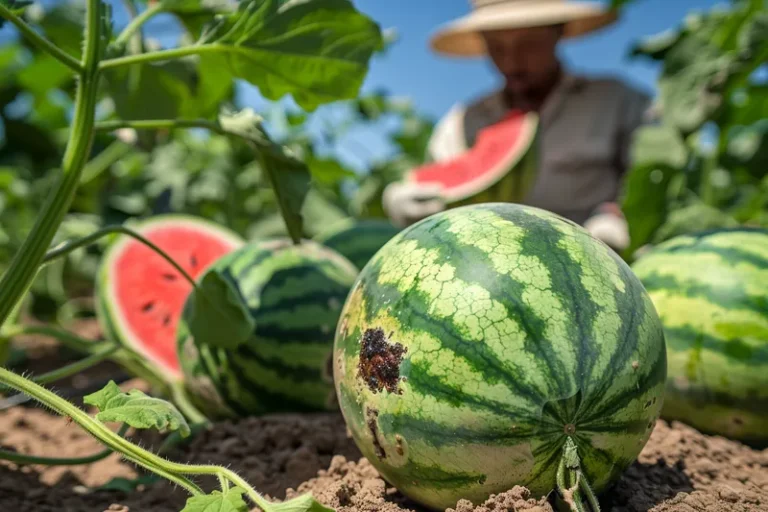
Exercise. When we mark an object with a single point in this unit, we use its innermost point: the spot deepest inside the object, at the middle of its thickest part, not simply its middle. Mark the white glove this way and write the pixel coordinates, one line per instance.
(610, 228)
(406, 203)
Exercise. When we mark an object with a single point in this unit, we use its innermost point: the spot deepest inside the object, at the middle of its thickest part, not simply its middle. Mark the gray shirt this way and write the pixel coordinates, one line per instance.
(586, 127)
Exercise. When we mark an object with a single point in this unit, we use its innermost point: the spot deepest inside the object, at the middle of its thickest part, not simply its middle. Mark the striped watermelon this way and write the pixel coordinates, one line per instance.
(295, 294)
(140, 295)
(479, 340)
(358, 240)
(711, 291)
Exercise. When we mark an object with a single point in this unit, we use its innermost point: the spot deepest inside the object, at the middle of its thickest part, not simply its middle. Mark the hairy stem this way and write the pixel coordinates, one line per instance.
(18, 458)
(137, 22)
(40, 41)
(27, 260)
(133, 453)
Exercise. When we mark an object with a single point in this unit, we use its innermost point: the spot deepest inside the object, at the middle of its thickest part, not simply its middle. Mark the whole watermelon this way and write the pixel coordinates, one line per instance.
(479, 340)
(294, 294)
(358, 239)
(711, 292)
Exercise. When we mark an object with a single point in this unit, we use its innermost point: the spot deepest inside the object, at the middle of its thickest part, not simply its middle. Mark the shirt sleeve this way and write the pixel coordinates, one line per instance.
(447, 139)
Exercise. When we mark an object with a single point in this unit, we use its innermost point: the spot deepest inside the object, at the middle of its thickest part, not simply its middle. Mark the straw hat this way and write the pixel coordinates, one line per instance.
(461, 37)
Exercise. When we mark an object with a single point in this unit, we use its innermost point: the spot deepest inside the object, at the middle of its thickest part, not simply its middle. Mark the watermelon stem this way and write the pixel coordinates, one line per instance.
(20, 459)
(79, 243)
(182, 401)
(571, 490)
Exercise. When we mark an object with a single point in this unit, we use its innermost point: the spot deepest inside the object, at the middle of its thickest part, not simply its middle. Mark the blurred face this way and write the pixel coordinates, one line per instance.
(525, 57)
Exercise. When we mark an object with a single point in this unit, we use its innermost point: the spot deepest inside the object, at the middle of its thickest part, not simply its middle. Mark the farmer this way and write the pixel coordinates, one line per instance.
(586, 124)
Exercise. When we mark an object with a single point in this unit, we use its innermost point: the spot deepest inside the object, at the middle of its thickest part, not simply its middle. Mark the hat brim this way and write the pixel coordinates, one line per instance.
(462, 38)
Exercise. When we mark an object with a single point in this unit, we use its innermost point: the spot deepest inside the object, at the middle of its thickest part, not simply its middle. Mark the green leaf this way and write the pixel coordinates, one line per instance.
(229, 501)
(748, 148)
(315, 50)
(656, 46)
(136, 409)
(303, 503)
(195, 14)
(216, 315)
(289, 177)
(328, 171)
(658, 145)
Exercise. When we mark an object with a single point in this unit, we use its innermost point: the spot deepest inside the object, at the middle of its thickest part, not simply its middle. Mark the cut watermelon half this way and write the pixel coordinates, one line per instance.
(141, 295)
(501, 150)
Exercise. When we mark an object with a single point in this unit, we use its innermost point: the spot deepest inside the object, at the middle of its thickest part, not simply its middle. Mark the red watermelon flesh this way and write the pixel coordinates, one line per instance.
(496, 151)
(145, 294)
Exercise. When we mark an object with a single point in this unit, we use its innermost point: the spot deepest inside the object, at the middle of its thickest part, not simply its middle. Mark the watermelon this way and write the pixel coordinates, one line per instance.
(358, 240)
(499, 167)
(711, 291)
(482, 341)
(294, 294)
(140, 295)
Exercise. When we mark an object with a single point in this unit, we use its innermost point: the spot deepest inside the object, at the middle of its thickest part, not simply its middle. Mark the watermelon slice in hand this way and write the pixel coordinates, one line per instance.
(140, 295)
(501, 166)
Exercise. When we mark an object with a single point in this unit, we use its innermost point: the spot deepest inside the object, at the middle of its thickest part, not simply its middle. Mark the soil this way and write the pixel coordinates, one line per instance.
(680, 470)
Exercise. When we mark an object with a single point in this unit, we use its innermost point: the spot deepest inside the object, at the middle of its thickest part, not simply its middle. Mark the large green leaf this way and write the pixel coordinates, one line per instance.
(315, 50)
(230, 500)
(289, 176)
(748, 148)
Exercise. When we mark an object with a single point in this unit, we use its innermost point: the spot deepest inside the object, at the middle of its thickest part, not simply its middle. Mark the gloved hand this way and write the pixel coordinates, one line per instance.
(406, 203)
(609, 225)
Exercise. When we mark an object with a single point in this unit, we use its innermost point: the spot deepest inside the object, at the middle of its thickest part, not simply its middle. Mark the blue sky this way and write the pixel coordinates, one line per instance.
(436, 82)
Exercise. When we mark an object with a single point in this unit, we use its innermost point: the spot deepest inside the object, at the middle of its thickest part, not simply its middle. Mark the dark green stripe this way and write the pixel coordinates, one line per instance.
(728, 297)
(730, 255)
(682, 339)
(256, 257)
(435, 477)
(292, 372)
(632, 312)
(754, 402)
(408, 309)
(421, 381)
(439, 435)
(280, 332)
(701, 235)
(473, 266)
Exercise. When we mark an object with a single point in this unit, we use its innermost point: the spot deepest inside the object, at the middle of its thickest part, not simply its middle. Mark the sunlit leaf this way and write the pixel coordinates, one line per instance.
(315, 50)
(229, 501)
(303, 503)
(288, 176)
(136, 409)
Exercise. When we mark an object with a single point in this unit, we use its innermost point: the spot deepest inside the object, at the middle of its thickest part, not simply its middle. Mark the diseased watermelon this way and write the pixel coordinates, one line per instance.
(294, 295)
(358, 240)
(500, 167)
(711, 292)
(479, 340)
(140, 295)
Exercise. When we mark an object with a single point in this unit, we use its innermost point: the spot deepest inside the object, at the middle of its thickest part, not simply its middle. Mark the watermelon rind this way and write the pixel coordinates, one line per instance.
(112, 320)
(294, 294)
(479, 340)
(358, 239)
(510, 178)
(711, 291)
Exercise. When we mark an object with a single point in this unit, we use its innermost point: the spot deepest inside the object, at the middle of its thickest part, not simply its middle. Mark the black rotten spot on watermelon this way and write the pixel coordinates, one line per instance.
(379, 365)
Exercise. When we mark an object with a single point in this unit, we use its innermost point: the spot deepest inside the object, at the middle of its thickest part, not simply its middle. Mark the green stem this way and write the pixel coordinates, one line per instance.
(20, 459)
(98, 430)
(67, 338)
(40, 41)
(158, 124)
(109, 230)
(26, 262)
(101, 162)
(172, 53)
(181, 400)
(77, 367)
(137, 22)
